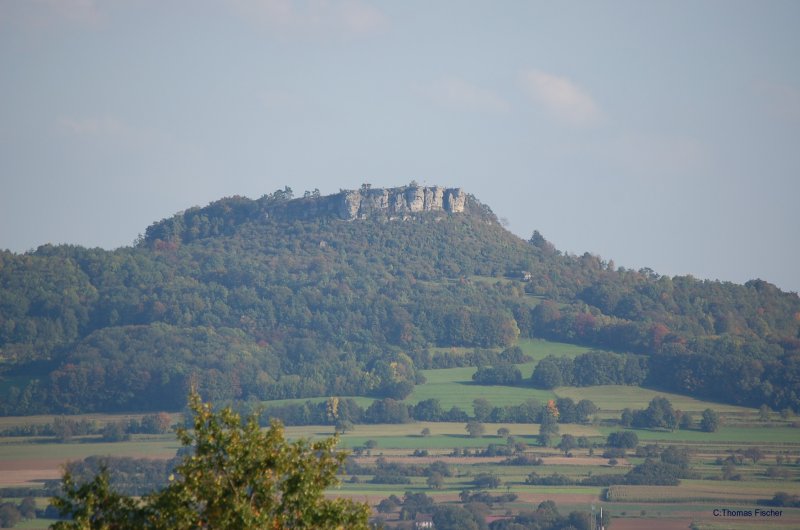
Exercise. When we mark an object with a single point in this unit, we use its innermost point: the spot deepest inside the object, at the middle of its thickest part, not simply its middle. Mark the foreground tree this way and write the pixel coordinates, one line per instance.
(236, 476)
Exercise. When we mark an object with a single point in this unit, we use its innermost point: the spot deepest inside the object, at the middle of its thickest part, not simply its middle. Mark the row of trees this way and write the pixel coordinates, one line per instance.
(589, 369)
(660, 414)
(476, 507)
(344, 411)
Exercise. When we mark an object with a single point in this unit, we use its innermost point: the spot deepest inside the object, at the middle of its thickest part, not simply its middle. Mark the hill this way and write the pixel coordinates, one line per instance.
(346, 295)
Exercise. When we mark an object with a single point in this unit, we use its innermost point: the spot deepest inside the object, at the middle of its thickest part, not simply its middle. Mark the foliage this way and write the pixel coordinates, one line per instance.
(623, 439)
(547, 517)
(659, 414)
(589, 369)
(235, 477)
(567, 443)
(781, 498)
(710, 421)
(548, 426)
(486, 480)
(10, 514)
(447, 517)
(475, 429)
(504, 374)
(277, 298)
(127, 476)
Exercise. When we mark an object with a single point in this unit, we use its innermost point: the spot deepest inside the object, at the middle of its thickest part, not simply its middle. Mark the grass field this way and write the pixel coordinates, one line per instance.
(652, 507)
(614, 398)
(539, 349)
(454, 387)
(746, 435)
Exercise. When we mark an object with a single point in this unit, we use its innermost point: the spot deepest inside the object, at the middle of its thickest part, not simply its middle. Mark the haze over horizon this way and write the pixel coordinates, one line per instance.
(655, 135)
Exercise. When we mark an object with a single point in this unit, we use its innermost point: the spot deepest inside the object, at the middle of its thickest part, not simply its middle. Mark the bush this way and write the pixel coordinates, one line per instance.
(486, 480)
(782, 498)
(390, 478)
(522, 460)
(623, 439)
(614, 452)
(556, 479)
(506, 374)
(710, 421)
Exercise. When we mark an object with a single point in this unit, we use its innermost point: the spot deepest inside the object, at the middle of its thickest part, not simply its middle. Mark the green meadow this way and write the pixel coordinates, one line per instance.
(454, 387)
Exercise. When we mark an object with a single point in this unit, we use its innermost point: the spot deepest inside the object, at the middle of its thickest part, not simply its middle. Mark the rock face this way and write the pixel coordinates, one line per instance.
(368, 202)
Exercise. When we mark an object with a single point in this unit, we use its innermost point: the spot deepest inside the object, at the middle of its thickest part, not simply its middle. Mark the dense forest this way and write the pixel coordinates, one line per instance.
(276, 298)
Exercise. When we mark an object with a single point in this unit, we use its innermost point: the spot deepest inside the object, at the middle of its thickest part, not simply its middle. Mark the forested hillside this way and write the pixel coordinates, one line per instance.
(279, 297)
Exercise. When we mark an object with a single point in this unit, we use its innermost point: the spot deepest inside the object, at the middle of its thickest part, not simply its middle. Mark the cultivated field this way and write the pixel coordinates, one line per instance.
(28, 461)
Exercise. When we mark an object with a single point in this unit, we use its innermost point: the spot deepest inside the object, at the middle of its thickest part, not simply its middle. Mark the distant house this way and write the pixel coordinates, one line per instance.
(423, 520)
(524, 276)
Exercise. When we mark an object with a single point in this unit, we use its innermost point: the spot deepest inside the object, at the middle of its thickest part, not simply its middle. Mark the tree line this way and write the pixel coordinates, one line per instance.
(344, 411)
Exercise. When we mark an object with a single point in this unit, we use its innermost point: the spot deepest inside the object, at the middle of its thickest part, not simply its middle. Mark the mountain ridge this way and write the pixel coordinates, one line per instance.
(389, 204)
(281, 297)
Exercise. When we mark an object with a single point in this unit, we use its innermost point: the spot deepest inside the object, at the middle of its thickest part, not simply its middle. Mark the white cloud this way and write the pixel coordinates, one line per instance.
(314, 16)
(567, 101)
(459, 94)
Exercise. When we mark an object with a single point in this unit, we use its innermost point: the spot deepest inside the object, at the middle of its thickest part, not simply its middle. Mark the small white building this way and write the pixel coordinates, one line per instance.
(423, 520)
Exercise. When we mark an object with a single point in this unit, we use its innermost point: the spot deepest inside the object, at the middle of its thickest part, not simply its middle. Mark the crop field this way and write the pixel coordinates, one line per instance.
(689, 492)
(30, 460)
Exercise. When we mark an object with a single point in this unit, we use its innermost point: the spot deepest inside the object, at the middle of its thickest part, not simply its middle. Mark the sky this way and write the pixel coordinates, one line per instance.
(654, 134)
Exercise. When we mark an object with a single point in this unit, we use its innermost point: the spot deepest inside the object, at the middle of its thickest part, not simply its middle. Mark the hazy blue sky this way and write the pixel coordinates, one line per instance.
(657, 134)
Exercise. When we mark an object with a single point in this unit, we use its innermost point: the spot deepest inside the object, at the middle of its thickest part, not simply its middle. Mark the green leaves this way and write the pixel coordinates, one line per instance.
(237, 476)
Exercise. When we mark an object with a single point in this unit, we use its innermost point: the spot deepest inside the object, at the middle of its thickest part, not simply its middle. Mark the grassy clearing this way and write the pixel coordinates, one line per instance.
(618, 397)
(454, 387)
(749, 435)
(443, 434)
(539, 349)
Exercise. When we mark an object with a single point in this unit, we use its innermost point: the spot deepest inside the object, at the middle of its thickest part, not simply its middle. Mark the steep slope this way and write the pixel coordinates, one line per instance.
(342, 295)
